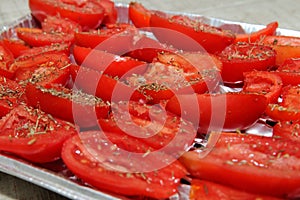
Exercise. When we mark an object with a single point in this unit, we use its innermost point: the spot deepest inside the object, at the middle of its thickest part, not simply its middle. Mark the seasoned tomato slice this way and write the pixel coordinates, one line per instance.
(33, 134)
(287, 129)
(61, 25)
(6, 58)
(139, 15)
(244, 57)
(289, 71)
(15, 46)
(257, 164)
(104, 165)
(188, 34)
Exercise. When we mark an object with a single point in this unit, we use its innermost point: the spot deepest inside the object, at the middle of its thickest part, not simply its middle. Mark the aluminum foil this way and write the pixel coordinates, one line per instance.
(60, 181)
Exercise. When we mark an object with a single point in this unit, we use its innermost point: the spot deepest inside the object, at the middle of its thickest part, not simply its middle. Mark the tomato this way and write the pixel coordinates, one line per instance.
(263, 82)
(139, 15)
(285, 47)
(70, 105)
(108, 168)
(6, 58)
(270, 29)
(37, 37)
(150, 125)
(257, 164)
(108, 63)
(88, 14)
(289, 108)
(11, 95)
(231, 111)
(34, 51)
(15, 46)
(287, 129)
(61, 25)
(174, 30)
(101, 85)
(289, 71)
(33, 134)
(244, 57)
(110, 11)
(206, 190)
(115, 38)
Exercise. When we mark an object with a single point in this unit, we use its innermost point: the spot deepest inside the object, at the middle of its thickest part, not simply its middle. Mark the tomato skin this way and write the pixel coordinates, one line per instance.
(139, 15)
(39, 141)
(206, 190)
(245, 163)
(263, 82)
(270, 29)
(102, 177)
(244, 57)
(108, 63)
(231, 108)
(88, 14)
(210, 38)
(67, 104)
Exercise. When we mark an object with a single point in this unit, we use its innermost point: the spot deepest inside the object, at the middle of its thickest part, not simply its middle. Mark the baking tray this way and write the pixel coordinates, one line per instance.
(55, 176)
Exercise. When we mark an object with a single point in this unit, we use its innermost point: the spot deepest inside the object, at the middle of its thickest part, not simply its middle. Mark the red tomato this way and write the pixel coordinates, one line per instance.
(261, 165)
(88, 14)
(289, 71)
(244, 57)
(6, 58)
(118, 176)
(287, 129)
(139, 15)
(103, 86)
(11, 95)
(15, 46)
(61, 25)
(70, 105)
(116, 38)
(110, 11)
(263, 82)
(37, 37)
(206, 190)
(108, 63)
(34, 51)
(33, 134)
(185, 33)
(231, 111)
(270, 29)
(285, 47)
(150, 125)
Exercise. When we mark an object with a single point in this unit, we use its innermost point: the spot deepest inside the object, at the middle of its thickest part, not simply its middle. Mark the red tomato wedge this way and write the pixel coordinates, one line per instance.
(83, 156)
(34, 51)
(289, 71)
(108, 63)
(244, 57)
(6, 58)
(261, 165)
(206, 190)
(263, 82)
(61, 25)
(257, 36)
(219, 111)
(89, 14)
(187, 34)
(139, 15)
(33, 134)
(110, 11)
(70, 105)
(15, 46)
(287, 129)
(285, 47)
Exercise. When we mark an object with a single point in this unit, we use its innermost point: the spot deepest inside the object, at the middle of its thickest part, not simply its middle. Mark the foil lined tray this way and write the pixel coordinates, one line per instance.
(60, 181)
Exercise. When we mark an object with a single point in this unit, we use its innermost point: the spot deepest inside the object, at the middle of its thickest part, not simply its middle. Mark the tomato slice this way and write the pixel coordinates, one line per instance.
(285, 47)
(231, 111)
(263, 82)
(33, 134)
(83, 156)
(70, 105)
(289, 71)
(288, 130)
(34, 51)
(244, 57)
(206, 190)
(37, 37)
(250, 163)
(110, 11)
(108, 63)
(270, 29)
(6, 58)
(61, 25)
(15, 46)
(139, 15)
(89, 14)
(11, 95)
(173, 30)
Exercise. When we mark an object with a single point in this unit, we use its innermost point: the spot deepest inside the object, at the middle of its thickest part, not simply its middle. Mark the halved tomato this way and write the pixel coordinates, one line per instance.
(61, 25)
(289, 71)
(6, 58)
(15, 46)
(139, 15)
(287, 129)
